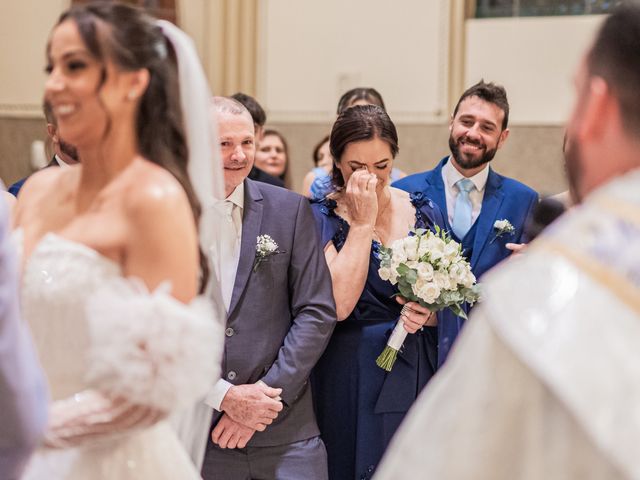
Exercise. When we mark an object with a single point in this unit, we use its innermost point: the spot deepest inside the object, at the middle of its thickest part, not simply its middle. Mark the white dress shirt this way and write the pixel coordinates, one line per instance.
(450, 175)
(232, 207)
(59, 161)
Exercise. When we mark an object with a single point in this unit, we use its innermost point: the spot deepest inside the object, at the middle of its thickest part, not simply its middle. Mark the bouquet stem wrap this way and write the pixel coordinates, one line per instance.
(388, 357)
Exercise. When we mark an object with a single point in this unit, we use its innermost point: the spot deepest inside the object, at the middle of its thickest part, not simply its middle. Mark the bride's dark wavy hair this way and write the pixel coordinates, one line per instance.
(132, 40)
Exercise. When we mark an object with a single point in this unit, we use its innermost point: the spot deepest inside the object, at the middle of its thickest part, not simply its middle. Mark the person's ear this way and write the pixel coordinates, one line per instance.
(597, 110)
(52, 131)
(137, 83)
(503, 137)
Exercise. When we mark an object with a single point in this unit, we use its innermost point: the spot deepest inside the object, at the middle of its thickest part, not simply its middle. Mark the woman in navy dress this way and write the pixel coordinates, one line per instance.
(359, 405)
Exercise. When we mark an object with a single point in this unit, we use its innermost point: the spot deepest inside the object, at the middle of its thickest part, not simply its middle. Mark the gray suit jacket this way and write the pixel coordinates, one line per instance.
(281, 315)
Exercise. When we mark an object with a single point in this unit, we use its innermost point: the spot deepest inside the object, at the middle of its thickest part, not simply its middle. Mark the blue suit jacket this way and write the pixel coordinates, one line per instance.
(504, 198)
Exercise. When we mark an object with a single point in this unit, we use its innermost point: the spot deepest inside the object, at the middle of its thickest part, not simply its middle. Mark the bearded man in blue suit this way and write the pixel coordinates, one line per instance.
(485, 211)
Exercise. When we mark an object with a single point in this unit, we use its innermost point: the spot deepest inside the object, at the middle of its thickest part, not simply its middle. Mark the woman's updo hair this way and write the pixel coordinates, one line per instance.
(132, 40)
(356, 124)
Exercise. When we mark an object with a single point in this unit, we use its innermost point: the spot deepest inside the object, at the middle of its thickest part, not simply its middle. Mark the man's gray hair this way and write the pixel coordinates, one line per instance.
(229, 105)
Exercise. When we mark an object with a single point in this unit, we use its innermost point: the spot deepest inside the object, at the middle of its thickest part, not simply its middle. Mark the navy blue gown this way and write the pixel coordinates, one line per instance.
(358, 405)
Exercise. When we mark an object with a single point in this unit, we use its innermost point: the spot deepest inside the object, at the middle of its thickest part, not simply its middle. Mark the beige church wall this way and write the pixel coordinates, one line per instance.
(298, 57)
(534, 58)
(24, 29)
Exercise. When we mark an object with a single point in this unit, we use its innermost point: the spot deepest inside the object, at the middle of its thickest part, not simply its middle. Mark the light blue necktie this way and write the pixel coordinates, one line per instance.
(463, 208)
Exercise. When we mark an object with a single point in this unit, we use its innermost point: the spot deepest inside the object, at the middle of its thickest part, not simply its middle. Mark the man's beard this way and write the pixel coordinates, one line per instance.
(472, 163)
(68, 149)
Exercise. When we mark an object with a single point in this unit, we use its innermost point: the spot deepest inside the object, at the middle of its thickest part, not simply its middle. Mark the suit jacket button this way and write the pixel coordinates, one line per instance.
(229, 332)
(231, 375)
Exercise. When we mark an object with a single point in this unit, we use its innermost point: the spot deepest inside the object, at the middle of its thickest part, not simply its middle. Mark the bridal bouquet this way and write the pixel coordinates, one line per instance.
(428, 268)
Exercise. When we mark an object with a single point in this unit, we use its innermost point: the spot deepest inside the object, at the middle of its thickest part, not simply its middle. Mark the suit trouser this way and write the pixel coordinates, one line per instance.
(306, 459)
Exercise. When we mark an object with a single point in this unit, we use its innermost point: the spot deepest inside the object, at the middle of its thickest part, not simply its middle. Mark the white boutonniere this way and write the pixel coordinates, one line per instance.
(265, 247)
(502, 227)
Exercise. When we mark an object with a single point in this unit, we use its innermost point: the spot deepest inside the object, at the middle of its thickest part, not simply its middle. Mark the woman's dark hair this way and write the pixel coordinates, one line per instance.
(369, 95)
(356, 124)
(316, 149)
(132, 40)
(284, 176)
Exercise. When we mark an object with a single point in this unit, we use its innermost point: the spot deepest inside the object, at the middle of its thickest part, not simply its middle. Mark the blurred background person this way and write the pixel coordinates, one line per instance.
(272, 156)
(64, 154)
(318, 180)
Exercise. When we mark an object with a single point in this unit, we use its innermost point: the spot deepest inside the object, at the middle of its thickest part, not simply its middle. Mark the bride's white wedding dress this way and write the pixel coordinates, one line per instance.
(119, 360)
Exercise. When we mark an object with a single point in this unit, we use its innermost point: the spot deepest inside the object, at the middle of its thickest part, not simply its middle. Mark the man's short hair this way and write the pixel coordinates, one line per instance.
(615, 57)
(229, 105)
(489, 92)
(254, 108)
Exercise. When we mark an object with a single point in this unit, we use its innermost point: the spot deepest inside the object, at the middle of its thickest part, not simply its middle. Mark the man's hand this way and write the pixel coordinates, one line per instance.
(230, 434)
(254, 405)
(516, 248)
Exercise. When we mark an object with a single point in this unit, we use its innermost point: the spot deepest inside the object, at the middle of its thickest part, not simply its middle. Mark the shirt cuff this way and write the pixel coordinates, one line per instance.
(217, 393)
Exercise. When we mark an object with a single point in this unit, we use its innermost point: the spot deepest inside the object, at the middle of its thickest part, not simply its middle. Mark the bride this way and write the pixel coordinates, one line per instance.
(111, 258)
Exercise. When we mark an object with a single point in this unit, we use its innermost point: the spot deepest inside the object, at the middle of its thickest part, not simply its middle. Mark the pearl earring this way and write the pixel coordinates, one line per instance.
(131, 95)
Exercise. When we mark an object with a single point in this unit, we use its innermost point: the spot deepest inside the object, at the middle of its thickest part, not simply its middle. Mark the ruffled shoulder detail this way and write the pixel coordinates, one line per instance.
(419, 200)
(151, 349)
(331, 226)
(428, 214)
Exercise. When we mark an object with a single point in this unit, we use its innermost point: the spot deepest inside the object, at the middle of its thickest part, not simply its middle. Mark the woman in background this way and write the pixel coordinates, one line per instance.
(317, 182)
(272, 156)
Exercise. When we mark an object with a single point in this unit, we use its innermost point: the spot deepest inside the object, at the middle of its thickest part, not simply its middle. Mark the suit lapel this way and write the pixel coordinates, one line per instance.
(251, 222)
(491, 202)
(435, 189)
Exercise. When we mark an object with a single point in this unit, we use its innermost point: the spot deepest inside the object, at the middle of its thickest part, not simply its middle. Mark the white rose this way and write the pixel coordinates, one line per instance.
(425, 271)
(398, 255)
(385, 273)
(435, 248)
(411, 247)
(394, 277)
(469, 279)
(423, 248)
(412, 264)
(451, 251)
(442, 280)
(427, 291)
(457, 273)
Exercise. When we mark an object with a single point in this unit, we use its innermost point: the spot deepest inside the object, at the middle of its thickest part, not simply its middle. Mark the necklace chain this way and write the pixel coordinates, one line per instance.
(375, 231)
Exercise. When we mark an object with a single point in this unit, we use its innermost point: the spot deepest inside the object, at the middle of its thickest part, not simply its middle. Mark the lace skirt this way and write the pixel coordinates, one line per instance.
(151, 454)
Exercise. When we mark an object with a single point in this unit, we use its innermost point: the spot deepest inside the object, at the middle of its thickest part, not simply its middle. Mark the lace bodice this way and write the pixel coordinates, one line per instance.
(57, 280)
(95, 329)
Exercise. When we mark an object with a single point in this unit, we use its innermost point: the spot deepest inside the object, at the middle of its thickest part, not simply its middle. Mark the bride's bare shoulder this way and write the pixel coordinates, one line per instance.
(46, 185)
(153, 190)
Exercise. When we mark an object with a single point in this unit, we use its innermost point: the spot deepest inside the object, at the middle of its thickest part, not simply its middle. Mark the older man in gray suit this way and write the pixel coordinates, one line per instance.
(281, 312)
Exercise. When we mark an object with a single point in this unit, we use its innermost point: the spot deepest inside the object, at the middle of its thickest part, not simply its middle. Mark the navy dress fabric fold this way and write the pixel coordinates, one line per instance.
(359, 406)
